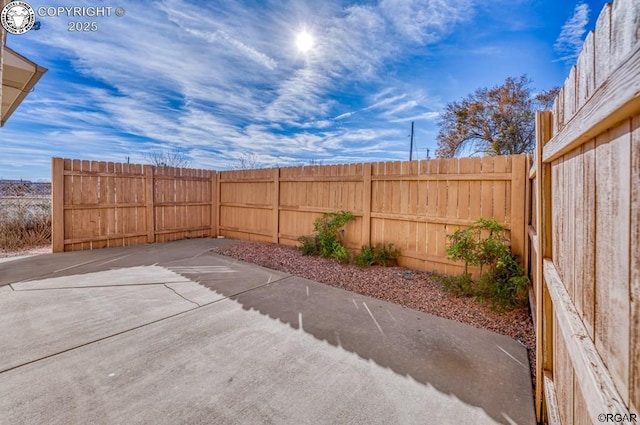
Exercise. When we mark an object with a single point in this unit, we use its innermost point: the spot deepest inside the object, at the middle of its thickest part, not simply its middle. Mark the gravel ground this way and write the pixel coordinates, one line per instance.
(409, 288)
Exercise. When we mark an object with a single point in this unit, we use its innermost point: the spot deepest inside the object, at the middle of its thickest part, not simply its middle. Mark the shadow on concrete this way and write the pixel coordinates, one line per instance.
(479, 367)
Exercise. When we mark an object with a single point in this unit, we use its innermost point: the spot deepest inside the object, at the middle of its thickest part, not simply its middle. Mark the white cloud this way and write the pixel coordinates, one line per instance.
(219, 78)
(426, 21)
(251, 53)
(569, 43)
(426, 116)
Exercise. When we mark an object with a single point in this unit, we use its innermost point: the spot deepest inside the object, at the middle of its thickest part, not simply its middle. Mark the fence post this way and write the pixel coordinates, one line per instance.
(214, 204)
(149, 204)
(276, 205)
(57, 204)
(518, 207)
(218, 201)
(526, 258)
(544, 319)
(366, 205)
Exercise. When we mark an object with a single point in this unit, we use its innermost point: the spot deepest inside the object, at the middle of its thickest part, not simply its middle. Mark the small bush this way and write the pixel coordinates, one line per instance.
(309, 245)
(506, 286)
(458, 285)
(327, 241)
(327, 238)
(502, 280)
(366, 257)
(381, 254)
(339, 252)
(386, 255)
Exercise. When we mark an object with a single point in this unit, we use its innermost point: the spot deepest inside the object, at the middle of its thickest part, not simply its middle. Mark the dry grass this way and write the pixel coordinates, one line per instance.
(25, 222)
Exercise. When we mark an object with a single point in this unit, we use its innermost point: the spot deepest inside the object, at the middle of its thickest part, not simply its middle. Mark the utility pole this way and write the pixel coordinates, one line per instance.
(411, 145)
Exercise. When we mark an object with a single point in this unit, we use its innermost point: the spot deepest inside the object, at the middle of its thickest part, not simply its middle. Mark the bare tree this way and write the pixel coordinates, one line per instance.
(246, 161)
(314, 162)
(497, 121)
(174, 158)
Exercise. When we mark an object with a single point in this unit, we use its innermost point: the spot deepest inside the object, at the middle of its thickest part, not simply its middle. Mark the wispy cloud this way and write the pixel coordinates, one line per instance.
(250, 52)
(214, 79)
(569, 43)
(426, 21)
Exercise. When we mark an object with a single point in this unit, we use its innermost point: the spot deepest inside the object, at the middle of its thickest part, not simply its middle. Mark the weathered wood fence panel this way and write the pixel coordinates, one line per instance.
(247, 204)
(413, 205)
(585, 240)
(106, 204)
(183, 203)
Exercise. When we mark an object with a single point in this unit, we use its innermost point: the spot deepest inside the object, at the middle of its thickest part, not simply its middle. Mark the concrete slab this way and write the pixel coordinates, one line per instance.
(257, 346)
(17, 257)
(221, 364)
(195, 293)
(62, 264)
(477, 366)
(41, 323)
(144, 275)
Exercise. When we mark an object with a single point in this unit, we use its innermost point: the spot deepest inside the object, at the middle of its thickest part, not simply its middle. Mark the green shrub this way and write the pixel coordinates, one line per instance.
(459, 285)
(327, 238)
(506, 285)
(309, 245)
(502, 280)
(339, 252)
(382, 255)
(386, 255)
(366, 257)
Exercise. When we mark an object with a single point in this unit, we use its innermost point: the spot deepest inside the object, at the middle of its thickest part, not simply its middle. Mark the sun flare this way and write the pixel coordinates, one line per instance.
(304, 41)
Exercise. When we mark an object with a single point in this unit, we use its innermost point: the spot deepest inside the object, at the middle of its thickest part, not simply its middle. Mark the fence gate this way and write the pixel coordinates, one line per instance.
(98, 204)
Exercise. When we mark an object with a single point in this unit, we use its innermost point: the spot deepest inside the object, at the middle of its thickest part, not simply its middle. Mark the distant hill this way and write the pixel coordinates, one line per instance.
(24, 188)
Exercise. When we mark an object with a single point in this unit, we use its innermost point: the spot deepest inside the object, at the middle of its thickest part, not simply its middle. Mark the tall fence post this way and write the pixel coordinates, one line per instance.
(214, 204)
(366, 205)
(518, 207)
(218, 201)
(57, 204)
(526, 255)
(149, 204)
(544, 319)
(276, 205)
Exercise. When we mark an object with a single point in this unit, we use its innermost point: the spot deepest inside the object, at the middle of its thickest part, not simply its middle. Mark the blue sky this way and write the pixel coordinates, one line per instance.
(220, 79)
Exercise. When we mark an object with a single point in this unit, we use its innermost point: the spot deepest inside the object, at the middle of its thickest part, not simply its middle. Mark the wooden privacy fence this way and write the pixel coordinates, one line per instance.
(413, 205)
(104, 204)
(585, 238)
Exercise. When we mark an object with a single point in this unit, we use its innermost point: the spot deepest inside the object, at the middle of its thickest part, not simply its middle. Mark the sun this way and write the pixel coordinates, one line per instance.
(304, 41)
